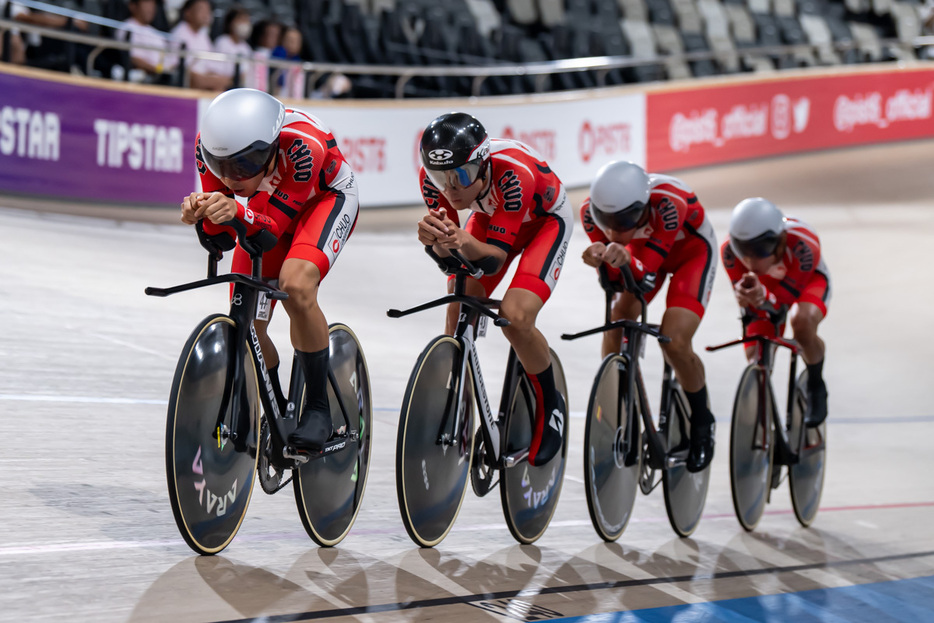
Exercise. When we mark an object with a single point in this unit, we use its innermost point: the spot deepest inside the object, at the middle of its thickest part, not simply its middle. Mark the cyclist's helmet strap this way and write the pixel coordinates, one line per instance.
(756, 228)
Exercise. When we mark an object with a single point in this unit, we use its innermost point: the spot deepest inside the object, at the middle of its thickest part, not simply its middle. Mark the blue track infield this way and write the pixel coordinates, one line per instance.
(908, 601)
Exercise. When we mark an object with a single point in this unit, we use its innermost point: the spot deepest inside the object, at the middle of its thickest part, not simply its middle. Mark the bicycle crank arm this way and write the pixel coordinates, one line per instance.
(511, 460)
(336, 443)
(676, 459)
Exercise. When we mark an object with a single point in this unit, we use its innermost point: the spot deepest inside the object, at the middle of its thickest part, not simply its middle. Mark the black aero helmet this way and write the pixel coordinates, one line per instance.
(455, 150)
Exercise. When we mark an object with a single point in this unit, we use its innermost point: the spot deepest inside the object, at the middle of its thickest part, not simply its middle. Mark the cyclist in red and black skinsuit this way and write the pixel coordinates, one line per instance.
(777, 260)
(296, 184)
(655, 225)
(518, 207)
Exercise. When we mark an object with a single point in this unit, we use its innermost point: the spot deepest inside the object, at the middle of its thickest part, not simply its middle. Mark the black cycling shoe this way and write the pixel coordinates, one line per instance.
(817, 406)
(313, 431)
(552, 434)
(702, 442)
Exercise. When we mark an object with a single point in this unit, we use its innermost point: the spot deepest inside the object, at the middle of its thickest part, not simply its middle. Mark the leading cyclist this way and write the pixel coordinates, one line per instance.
(518, 207)
(297, 185)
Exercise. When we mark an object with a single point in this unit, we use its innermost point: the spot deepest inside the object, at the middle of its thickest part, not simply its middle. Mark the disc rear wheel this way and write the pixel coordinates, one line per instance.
(685, 493)
(806, 477)
(329, 490)
(530, 494)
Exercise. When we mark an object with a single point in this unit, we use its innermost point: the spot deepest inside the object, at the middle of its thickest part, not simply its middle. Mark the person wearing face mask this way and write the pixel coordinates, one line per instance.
(518, 207)
(193, 32)
(655, 225)
(237, 29)
(775, 260)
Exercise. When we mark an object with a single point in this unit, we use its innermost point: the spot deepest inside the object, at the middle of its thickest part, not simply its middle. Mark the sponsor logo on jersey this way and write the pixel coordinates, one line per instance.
(511, 188)
(669, 214)
(430, 194)
(804, 255)
(302, 160)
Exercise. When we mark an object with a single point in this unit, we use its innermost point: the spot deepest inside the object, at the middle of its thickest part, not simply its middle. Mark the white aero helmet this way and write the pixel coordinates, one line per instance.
(240, 133)
(756, 228)
(619, 196)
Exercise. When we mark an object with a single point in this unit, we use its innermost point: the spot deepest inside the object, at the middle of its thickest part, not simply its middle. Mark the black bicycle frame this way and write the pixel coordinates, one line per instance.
(765, 351)
(471, 310)
(243, 307)
(631, 345)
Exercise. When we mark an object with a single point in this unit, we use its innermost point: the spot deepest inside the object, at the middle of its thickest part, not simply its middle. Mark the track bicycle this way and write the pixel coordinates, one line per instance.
(760, 444)
(224, 423)
(618, 457)
(437, 448)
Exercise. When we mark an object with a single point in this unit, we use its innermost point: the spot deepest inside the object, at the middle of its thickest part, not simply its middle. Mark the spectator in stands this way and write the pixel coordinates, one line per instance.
(194, 32)
(263, 39)
(237, 27)
(142, 32)
(14, 48)
(48, 53)
(290, 83)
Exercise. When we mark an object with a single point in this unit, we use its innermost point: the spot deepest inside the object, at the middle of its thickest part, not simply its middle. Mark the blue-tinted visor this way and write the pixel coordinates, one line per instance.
(458, 177)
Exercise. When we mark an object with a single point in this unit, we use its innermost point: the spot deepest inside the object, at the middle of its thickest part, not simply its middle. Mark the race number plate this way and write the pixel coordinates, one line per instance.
(263, 307)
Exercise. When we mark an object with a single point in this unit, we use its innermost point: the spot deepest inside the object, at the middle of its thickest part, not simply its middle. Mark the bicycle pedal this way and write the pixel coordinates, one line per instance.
(290, 452)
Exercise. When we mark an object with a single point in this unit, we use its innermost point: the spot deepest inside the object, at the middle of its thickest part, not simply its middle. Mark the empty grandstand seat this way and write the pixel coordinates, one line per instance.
(606, 10)
(689, 18)
(715, 18)
(551, 12)
(761, 7)
(696, 42)
(524, 12)
(635, 9)
(660, 12)
(867, 40)
(668, 40)
(818, 33)
(742, 27)
(486, 16)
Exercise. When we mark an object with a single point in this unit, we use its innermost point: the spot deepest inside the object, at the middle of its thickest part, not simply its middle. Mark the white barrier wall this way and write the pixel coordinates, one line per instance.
(90, 139)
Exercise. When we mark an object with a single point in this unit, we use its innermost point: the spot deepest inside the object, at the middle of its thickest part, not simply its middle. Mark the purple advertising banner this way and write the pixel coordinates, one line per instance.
(79, 142)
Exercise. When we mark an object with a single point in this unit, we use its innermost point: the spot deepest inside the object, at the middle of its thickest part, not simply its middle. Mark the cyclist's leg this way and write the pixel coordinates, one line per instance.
(545, 248)
(811, 310)
(688, 294)
(321, 234)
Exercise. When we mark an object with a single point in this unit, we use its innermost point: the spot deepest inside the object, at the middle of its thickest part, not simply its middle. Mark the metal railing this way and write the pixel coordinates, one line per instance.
(600, 65)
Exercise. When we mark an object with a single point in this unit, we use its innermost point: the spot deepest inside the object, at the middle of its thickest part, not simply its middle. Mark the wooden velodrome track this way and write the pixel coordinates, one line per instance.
(86, 531)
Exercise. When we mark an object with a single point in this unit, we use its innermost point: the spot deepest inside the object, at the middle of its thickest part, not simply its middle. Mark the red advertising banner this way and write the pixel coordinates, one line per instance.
(724, 123)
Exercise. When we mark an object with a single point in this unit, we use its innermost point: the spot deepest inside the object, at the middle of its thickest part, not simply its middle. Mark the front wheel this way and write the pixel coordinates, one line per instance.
(611, 483)
(751, 443)
(210, 436)
(685, 493)
(329, 490)
(806, 477)
(432, 466)
(530, 494)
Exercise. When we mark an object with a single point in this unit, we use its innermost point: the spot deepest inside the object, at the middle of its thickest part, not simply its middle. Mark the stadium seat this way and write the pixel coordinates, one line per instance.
(486, 16)
(524, 12)
(551, 12)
